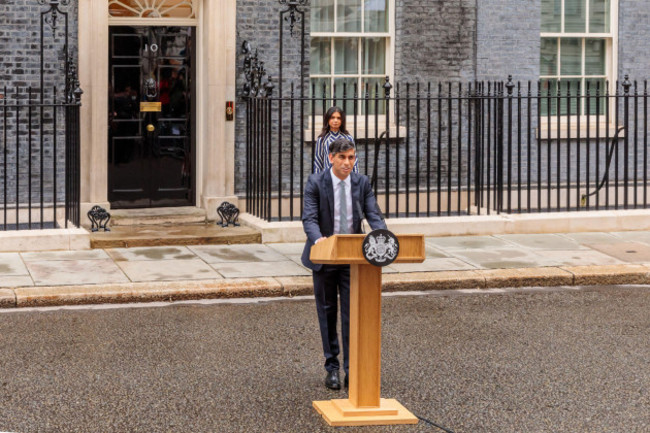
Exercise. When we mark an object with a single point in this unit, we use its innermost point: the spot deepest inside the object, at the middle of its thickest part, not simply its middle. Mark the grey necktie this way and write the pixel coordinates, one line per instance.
(343, 209)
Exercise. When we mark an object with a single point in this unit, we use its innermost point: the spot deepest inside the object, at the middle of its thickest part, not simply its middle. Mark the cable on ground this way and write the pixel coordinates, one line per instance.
(434, 424)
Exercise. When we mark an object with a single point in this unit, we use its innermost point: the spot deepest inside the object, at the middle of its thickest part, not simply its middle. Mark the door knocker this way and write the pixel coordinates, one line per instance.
(150, 88)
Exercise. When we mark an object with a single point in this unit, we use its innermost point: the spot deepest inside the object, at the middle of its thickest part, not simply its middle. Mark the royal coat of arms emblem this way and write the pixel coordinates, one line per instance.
(380, 247)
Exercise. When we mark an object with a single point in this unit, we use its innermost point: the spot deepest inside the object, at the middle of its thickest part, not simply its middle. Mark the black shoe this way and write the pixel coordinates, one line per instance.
(346, 380)
(332, 380)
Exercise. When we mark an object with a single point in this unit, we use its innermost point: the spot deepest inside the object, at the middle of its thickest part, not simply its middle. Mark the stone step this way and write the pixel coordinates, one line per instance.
(164, 235)
(157, 216)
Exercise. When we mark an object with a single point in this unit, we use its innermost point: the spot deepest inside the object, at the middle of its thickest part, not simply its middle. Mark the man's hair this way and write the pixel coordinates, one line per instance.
(340, 145)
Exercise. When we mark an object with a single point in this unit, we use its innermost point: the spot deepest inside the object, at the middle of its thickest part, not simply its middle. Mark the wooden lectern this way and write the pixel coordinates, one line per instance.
(364, 405)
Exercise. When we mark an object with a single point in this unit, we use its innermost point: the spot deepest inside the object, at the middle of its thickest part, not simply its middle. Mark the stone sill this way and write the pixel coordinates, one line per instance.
(565, 131)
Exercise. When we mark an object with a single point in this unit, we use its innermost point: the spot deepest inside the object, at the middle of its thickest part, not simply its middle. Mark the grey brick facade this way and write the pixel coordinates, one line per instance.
(466, 40)
(508, 39)
(633, 37)
(435, 40)
(20, 69)
(258, 22)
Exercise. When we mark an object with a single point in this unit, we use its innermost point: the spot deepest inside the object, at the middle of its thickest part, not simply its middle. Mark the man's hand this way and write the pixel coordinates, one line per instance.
(319, 239)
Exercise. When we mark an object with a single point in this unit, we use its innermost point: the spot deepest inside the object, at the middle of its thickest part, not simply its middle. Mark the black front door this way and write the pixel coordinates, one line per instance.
(151, 117)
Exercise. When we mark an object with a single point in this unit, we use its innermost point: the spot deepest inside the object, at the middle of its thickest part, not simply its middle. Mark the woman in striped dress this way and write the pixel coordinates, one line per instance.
(333, 128)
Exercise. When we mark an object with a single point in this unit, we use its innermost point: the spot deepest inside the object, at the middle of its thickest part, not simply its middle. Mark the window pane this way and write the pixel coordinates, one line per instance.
(570, 56)
(320, 56)
(595, 57)
(376, 18)
(548, 91)
(599, 16)
(568, 93)
(346, 56)
(344, 86)
(551, 15)
(548, 58)
(320, 89)
(374, 56)
(322, 15)
(348, 16)
(574, 16)
(376, 94)
(592, 104)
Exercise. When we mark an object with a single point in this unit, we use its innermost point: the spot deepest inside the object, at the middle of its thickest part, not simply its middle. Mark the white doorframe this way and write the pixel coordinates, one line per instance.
(215, 74)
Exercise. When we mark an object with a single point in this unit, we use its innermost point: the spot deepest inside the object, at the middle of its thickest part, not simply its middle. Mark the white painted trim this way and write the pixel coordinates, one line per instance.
(215, 75)
(389, 66)
(198, 96)
(611, 69)
(611, 59)
(151, 22)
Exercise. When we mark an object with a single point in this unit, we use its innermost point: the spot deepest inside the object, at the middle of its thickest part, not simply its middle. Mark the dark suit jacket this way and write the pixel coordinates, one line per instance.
(318, 211)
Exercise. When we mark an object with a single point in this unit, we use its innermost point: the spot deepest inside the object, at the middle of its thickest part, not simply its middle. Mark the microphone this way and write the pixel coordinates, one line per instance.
(361, 215)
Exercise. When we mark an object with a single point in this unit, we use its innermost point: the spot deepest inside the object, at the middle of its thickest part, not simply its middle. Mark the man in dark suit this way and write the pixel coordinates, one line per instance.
(335, 201)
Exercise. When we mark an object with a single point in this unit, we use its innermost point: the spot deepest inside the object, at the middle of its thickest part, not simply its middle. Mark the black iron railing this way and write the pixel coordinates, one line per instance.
(39, 127)
(39, 154)
(458, 149)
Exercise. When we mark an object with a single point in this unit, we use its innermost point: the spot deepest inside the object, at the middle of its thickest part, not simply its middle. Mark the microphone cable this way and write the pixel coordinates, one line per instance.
(446, 430)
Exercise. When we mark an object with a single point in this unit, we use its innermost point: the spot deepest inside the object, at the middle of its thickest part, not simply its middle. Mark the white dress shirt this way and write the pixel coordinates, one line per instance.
(337, 199)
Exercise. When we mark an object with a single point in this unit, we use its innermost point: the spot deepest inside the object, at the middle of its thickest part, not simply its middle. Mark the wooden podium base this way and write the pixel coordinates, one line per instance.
(341, 412)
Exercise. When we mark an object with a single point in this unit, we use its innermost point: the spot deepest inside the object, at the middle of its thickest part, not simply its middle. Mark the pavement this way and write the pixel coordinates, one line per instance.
(171, 273)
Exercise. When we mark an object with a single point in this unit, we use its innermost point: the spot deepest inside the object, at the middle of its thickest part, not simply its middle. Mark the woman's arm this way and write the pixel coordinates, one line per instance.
(320, 153)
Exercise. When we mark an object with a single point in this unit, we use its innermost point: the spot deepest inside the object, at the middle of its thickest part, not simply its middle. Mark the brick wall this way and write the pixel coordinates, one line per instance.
(20, 68)
(258, 21)
(633, 37)
(435, 40)
(508, 39)
(463, 40)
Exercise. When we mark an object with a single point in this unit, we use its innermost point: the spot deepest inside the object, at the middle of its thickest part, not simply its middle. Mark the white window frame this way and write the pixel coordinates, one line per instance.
(611, 72)
(389, 66)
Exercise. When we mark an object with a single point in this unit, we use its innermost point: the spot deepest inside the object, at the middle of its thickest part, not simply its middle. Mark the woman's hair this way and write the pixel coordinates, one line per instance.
(326, 121)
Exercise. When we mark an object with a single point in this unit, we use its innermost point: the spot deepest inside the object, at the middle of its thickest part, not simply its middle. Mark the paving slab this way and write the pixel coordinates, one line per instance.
(12, 264)
(271, 269)
(578, 258)
(466, 242)
(65, 255)
(542, 241)
(503, 258)
(629, 252)
(297, 260)
(151, 253)
(288, 248)
(168, 270)
(525, 277)
(430, 265)
(433, 252)
(237, 253)
(614, 274)
(592, 238)
(65, 272)
(635, 236)
(16, 281)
